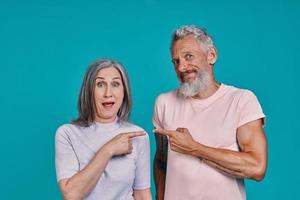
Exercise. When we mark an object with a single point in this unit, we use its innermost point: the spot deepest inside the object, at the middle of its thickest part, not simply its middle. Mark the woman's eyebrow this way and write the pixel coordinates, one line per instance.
(102, 78)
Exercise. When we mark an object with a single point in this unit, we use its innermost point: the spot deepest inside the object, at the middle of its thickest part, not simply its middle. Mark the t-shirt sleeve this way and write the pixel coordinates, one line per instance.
(157, 114)
(66, 161)
(249, 109)
(142, 171)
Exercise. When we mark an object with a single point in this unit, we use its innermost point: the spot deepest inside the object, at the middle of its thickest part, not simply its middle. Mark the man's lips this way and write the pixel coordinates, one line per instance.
(188, 76)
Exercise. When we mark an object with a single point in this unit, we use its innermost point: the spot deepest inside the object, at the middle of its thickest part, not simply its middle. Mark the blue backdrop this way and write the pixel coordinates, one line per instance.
(45, 47)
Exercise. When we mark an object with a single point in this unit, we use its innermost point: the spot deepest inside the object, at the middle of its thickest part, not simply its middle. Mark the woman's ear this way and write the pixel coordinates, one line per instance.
(212, 56)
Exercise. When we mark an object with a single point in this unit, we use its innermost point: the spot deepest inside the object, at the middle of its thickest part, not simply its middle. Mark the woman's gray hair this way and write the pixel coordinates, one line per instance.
(86, 101)
(200, 34)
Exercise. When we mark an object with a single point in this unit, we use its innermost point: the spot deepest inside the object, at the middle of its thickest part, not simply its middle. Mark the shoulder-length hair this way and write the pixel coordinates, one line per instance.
(86, 101)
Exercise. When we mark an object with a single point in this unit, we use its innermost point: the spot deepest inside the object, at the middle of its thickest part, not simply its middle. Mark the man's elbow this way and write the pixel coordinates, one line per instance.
(259, 173)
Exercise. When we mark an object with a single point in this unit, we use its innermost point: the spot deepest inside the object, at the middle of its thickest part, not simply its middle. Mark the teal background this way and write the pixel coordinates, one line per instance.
(45, 47)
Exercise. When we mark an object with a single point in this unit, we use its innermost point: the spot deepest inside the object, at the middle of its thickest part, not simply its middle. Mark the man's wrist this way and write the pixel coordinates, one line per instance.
(196, 147)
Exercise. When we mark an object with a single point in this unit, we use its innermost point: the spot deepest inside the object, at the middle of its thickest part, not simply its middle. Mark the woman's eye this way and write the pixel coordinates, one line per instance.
(115, 84)
(100, 84)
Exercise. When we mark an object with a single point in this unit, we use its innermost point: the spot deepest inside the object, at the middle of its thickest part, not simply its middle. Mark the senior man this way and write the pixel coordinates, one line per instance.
(209, 135)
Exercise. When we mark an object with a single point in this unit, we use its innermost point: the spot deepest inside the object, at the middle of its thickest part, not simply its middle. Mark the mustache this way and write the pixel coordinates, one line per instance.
(182, 74)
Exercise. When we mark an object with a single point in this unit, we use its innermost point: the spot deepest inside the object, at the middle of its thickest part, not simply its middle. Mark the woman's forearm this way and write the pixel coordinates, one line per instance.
(83, 182)
(142, 194)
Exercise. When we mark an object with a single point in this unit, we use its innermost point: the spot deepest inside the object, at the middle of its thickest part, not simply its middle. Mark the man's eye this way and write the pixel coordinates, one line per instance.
(175, 61)
(188, 56)
(115, 84)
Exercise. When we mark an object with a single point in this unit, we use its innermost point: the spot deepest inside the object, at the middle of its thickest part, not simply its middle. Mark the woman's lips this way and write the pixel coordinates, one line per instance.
(108, 105)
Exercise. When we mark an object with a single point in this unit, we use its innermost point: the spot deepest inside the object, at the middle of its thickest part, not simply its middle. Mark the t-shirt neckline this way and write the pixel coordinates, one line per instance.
(220, 91)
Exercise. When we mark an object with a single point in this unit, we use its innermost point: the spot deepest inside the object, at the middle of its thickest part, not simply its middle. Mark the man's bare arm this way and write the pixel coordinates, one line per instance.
(250, 162)
(160, 165)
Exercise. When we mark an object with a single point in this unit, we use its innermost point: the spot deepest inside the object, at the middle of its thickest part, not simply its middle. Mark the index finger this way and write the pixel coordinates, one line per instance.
(135, 134)
(163, 132)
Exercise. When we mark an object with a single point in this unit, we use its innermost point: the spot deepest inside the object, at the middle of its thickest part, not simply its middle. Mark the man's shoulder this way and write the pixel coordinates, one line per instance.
(236, 91)
(167, 96)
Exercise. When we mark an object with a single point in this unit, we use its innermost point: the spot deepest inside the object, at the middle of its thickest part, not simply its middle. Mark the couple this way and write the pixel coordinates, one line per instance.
(209, 136)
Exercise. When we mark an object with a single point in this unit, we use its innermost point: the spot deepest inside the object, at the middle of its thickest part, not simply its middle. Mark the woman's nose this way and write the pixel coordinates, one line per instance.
(108, 92)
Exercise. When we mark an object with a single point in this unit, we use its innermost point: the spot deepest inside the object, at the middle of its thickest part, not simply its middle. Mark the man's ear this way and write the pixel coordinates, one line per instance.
(212, 55)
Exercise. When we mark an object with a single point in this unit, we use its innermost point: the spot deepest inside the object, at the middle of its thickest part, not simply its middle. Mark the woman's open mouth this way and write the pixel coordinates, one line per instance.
(108, 104)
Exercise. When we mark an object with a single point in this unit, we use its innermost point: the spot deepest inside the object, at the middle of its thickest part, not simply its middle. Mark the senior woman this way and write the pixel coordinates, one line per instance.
(101, 155)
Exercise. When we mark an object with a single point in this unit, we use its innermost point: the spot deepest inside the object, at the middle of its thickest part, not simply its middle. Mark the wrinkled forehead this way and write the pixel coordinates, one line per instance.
(186, 44)
(109, 73)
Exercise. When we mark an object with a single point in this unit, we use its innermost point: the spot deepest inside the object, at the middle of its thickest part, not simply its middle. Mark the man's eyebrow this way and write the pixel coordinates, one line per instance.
(186, 52)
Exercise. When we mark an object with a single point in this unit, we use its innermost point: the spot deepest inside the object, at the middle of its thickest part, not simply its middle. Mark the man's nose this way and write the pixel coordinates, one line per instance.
(183, 66)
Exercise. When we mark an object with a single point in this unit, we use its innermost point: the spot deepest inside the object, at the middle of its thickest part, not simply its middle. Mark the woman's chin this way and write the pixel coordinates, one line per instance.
(106, 118)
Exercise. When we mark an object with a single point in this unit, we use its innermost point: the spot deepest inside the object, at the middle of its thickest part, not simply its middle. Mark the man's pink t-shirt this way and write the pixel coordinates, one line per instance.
(212, 122)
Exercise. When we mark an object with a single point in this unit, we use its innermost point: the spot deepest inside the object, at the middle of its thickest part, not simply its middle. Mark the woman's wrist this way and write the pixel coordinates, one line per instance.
(106, 150)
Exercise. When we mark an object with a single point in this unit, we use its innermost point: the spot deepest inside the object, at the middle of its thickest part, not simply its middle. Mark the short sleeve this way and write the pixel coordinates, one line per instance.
(66, 161)
(157, 114)
(142, 171)
(249, 109)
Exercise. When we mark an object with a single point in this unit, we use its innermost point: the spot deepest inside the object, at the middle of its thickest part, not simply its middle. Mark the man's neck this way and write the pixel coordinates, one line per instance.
(211, 89)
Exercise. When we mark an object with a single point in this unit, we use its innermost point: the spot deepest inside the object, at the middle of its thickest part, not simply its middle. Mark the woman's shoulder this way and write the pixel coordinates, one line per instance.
(67, 127)
(67, 130)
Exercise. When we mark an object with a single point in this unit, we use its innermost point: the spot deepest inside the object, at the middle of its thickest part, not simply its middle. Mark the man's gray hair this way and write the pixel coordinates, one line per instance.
(200, 34)
(86, 101)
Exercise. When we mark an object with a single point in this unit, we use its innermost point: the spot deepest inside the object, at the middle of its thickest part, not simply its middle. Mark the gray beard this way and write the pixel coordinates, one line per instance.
(199, 85)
